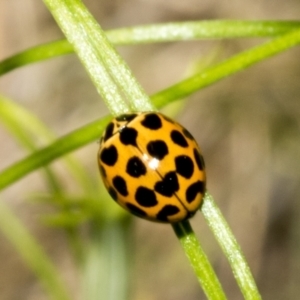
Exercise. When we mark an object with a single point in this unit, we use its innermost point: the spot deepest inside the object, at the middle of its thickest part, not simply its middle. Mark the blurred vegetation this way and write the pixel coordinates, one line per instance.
(247, 126)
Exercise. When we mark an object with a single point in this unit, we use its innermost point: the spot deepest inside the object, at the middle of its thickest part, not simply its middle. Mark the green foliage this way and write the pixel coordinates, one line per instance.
(122, 93)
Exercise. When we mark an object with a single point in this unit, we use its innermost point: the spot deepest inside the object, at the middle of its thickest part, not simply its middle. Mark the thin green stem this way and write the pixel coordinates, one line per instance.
(230, 247)
(21, 125)
(199, 30)
(35, 54)
(105, 66)
(91, 131)
(158, 33)
(81, 38)
(230, 66)
(117, 67)
(31, 132)
(61, 146)
(199, 261)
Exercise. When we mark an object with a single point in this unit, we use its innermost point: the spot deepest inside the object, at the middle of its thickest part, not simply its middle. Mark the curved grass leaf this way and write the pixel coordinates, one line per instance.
(75, 13)
(230, 247)
(199, 261)
(110, 74)
(60, 147)
(31, 133)
(228, 67)
(92, 131)
(158, 33)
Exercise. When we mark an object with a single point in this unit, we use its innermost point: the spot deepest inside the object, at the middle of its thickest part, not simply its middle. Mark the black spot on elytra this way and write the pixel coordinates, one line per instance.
(128, 136)
(157, 149)
(187, 134)
(109, 156)
(113, 193)
(194, 189)
(184, 166)
(178, 138)
(152, 121)
(166, 211)
(168, 186)
(145, 197)
(120, 185)
(135, 167)
(199, 160)
(109, 131)
(126, 117)
(136, 210)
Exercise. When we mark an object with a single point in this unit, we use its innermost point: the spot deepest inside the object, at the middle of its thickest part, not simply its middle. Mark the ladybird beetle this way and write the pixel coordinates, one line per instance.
(152, 167)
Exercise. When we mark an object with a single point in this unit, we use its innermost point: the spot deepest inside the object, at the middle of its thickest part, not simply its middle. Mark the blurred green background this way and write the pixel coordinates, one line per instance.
(247, 126)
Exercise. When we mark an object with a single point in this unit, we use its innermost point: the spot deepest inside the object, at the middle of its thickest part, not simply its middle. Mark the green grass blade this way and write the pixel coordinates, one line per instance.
(117, 67)
(26, 129)
(35, 54)
(62, 146)
(30, 131)
(230, 247)
(92, 131)
(199, 30)
(157, 33)
(23, 125)
(110, 74)
(79, 33)
(32, 254)
(199, 261)
(230, 66)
